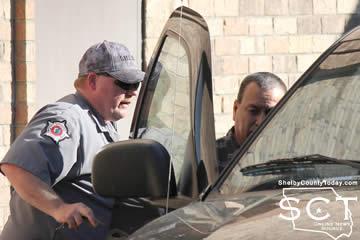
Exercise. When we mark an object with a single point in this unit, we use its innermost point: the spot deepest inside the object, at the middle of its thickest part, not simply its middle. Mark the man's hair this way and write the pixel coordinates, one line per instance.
(79, 82)
(265, 80)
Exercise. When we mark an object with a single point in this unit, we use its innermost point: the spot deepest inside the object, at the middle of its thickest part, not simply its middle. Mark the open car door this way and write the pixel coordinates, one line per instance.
(171, 157)
(175, 105)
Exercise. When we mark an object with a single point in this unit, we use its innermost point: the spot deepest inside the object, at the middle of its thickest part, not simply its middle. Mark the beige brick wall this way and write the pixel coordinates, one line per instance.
(5, 100)
(280, 36)
(23, 81)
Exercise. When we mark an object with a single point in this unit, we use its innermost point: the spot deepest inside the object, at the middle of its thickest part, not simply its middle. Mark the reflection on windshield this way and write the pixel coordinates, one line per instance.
(322, 117)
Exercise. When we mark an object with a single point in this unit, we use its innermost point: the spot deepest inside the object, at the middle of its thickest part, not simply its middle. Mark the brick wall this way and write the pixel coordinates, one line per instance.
(22, 63)
(280, 36)
(5, 100)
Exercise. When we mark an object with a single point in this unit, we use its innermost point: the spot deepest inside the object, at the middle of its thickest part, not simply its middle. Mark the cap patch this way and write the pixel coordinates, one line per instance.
(127, 58)
(57, 131)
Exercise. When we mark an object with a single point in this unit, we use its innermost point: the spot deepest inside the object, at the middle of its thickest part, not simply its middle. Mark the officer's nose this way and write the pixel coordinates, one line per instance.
(131, 93)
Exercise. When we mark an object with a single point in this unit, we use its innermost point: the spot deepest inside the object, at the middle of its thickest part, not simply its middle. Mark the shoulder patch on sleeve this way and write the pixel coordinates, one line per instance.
(57, 131)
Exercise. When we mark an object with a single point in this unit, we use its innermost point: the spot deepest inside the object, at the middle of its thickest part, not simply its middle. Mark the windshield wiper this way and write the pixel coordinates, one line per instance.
(296, 164)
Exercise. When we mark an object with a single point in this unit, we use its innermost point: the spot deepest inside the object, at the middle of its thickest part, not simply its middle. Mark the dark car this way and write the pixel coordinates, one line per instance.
(295, 177)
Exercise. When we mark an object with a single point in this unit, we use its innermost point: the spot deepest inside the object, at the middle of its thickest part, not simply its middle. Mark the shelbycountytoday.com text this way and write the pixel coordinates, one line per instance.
(318, 183)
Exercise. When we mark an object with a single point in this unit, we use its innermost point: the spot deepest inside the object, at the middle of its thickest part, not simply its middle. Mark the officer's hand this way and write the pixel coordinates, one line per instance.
(73, 215)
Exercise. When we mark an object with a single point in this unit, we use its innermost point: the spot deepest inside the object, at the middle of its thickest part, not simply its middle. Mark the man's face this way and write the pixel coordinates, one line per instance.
(113, 101)
(252, 109)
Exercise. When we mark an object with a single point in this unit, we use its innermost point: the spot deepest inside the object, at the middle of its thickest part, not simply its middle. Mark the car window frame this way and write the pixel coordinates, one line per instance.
(146, 106)
(201, 160)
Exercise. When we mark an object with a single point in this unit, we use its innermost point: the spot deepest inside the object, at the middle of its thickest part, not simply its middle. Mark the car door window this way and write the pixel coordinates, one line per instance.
(166, 119)
(320, 118)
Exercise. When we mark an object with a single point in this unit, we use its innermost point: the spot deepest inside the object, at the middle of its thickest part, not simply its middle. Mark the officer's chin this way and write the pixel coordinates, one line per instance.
(120, 114)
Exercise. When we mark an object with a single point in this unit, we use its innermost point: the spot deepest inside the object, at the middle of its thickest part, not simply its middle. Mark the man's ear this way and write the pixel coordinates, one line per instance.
(235, 108)
(91, 77)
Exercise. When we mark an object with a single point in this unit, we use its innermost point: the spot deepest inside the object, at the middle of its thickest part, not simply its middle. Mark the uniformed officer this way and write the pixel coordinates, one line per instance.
(258, 94)
(49, 164)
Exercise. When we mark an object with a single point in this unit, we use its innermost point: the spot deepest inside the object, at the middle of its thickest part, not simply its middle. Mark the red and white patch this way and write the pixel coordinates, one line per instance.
(57, 131)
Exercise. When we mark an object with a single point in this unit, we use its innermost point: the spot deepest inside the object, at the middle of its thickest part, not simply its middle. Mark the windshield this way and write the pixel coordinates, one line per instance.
(320, 118)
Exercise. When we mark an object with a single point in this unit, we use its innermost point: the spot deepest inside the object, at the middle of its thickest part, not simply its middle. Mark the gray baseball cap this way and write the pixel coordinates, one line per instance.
(112, 58)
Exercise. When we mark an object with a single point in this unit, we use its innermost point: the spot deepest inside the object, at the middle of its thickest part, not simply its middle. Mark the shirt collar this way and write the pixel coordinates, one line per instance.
(230, 135)
(102, 125)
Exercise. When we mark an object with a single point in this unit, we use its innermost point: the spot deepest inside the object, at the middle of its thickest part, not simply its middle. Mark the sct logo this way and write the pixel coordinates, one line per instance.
(309, 204)
(318, 210)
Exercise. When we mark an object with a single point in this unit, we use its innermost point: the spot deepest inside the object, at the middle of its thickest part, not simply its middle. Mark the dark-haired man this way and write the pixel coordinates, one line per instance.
(258, 94)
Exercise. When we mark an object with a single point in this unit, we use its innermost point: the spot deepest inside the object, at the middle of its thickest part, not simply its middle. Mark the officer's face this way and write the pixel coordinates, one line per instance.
(114, 100)
(252, 109)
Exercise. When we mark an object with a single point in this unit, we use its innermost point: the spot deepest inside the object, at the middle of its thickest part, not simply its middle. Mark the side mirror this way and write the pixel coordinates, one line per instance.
(133, 168)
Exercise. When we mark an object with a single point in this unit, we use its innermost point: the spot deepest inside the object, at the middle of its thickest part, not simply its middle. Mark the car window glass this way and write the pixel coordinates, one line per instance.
(321, 117)
(168, 113)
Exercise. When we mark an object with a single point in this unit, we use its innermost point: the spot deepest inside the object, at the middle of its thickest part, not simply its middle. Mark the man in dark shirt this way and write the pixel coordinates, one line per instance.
(258, 94)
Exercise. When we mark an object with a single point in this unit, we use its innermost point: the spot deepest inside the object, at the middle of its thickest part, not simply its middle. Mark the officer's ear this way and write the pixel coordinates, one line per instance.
(92, 80)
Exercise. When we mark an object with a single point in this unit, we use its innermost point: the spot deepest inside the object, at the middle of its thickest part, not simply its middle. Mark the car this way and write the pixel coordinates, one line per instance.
(296, 176)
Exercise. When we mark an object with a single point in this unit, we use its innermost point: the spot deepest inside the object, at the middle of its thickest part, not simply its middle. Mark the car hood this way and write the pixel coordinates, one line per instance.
(257, 215)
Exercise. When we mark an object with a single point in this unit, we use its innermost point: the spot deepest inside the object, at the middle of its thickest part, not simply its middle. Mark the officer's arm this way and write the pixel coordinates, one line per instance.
(41, 196)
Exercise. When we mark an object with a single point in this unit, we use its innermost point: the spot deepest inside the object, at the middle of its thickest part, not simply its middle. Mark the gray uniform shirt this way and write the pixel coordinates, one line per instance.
(58, 146)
